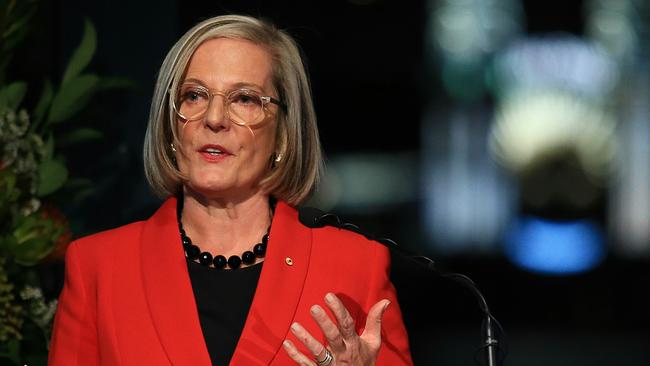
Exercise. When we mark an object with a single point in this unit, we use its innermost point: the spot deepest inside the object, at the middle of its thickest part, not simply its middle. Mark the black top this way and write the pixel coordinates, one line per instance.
(223, 298)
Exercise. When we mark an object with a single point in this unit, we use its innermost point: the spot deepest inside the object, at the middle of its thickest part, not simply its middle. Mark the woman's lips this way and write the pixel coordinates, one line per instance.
(214, 153)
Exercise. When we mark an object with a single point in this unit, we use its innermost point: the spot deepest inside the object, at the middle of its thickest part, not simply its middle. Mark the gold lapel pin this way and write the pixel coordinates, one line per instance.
(288, 261)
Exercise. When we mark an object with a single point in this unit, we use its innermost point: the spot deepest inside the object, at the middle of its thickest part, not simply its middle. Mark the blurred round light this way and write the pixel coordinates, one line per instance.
(556, 62)
(467, 30)
(614, 24)
(362, 182)
(555, 247)
(531, 126)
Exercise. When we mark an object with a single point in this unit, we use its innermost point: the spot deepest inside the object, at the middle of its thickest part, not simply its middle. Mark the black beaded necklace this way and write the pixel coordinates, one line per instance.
(193, 252)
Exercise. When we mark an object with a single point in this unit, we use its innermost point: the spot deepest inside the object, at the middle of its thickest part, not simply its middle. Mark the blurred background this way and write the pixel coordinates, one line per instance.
(506, 140)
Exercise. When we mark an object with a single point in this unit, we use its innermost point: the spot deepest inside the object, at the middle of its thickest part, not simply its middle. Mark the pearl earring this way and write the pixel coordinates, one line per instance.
(278, 157)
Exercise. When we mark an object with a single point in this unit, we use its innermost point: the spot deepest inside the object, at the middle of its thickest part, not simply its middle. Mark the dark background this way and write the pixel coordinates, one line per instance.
(363, 53)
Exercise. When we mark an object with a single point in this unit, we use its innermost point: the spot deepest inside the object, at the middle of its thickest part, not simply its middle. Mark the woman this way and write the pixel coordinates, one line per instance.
(224, 272)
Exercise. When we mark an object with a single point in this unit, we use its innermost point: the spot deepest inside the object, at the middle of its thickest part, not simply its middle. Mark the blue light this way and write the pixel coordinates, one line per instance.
(555, 247)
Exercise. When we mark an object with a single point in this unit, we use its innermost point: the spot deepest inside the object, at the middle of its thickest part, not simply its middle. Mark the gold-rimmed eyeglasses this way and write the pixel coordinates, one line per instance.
(242, 106)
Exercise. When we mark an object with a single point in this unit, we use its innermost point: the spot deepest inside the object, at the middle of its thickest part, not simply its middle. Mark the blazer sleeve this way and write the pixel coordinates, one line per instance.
(74, 338)
(394, 349)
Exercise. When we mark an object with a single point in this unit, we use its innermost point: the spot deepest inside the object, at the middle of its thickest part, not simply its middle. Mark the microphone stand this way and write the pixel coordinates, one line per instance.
(490, 344)
(315, 218)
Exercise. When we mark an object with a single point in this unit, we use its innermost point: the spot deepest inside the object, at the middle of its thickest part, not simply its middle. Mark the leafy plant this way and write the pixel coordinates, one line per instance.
(33, 172)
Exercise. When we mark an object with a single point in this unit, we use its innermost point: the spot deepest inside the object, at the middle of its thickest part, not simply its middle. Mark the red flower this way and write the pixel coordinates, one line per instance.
(61, 245)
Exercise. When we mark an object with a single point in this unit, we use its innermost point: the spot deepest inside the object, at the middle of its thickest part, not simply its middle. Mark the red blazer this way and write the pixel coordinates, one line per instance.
(128, 300)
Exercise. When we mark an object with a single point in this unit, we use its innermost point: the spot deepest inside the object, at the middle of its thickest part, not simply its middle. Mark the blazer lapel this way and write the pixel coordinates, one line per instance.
(168, 290)
(278, 290)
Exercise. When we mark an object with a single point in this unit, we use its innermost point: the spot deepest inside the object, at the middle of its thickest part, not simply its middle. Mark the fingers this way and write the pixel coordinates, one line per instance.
(372, 331)
(296, 355)
(330, 330)
(340, 333)
(312, 344)
(343, 317)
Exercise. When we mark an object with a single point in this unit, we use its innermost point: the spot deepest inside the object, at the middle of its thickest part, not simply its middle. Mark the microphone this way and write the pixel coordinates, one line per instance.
(494, 352)
(492, 347)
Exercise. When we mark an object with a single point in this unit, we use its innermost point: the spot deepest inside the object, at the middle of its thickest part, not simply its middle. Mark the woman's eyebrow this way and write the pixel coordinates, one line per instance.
(238, 85)
(196, 81)
(246, 85)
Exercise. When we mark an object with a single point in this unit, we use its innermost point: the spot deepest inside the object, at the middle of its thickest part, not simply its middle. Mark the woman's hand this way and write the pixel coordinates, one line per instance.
(344, 345)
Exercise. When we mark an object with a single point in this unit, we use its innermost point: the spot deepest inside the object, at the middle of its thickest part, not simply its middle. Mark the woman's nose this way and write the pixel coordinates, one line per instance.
(216, 115)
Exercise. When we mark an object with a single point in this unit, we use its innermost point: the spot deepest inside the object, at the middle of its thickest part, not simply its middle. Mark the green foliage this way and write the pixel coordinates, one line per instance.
(12, 95)
(11, 319)
(14, 26)
(83, 54)
(72, 97)
(33, 173)
(8, 194)
(43, 104)
(52, 175)
(32, 239)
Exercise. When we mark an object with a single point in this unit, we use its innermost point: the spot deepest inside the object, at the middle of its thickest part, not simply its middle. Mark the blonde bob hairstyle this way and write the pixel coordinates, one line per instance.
(295, 177)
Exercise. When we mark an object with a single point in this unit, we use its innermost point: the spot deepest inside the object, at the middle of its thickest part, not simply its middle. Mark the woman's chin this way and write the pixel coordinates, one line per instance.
(220, 190)
(211, 189)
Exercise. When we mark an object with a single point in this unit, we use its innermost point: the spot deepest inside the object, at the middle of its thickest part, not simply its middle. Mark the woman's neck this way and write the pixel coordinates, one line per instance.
(225, 227)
